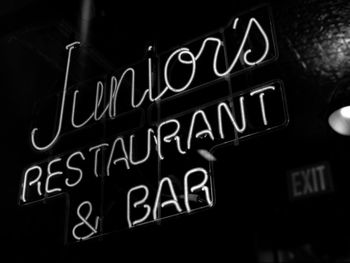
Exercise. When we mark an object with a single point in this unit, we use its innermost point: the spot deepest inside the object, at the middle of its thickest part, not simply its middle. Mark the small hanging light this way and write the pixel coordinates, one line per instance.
(339, 114)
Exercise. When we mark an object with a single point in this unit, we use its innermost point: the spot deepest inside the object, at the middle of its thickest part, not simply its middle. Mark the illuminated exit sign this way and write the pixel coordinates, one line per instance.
(309, 181)
(136, 146)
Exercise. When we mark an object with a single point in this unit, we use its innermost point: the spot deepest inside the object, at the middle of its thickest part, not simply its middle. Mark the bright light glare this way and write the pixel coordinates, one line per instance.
(345, 112)
(206, 155)
(339, 120)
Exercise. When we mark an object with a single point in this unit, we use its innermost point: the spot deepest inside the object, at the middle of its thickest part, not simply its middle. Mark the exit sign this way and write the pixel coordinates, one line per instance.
(309, 181)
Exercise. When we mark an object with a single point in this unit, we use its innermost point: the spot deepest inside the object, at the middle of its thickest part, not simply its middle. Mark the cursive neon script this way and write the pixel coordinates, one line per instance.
(178, 56)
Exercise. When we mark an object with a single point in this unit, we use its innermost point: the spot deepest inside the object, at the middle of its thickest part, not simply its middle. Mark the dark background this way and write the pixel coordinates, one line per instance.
(252, 212)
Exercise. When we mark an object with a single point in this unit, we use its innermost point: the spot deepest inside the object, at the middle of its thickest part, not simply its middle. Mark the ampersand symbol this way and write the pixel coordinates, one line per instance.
(84, 222)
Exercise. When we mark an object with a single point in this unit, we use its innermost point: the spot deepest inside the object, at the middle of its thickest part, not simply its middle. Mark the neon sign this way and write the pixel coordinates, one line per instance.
(155, 169)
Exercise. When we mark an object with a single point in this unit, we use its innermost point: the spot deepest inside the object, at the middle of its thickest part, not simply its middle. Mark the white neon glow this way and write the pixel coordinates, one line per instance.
(136, 204)
(77, 169)
(150, 77)
(69, 47)
(97, 148)
(229, 113)
(201, 49)
(178, 145)
(150, 132)
(219, 45)
(202, 186)
(267, 44)
(114, 89)
(180, 52)
(72, 118)
(98, 100)
(261, 93)
(234, 25)
(113, 93)
(35, 181)
(123, 159)
(150, 81)
(84, 222)
(173, 201)
(345, 112)
(50, 175)
(169, 138)
(207, 131)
